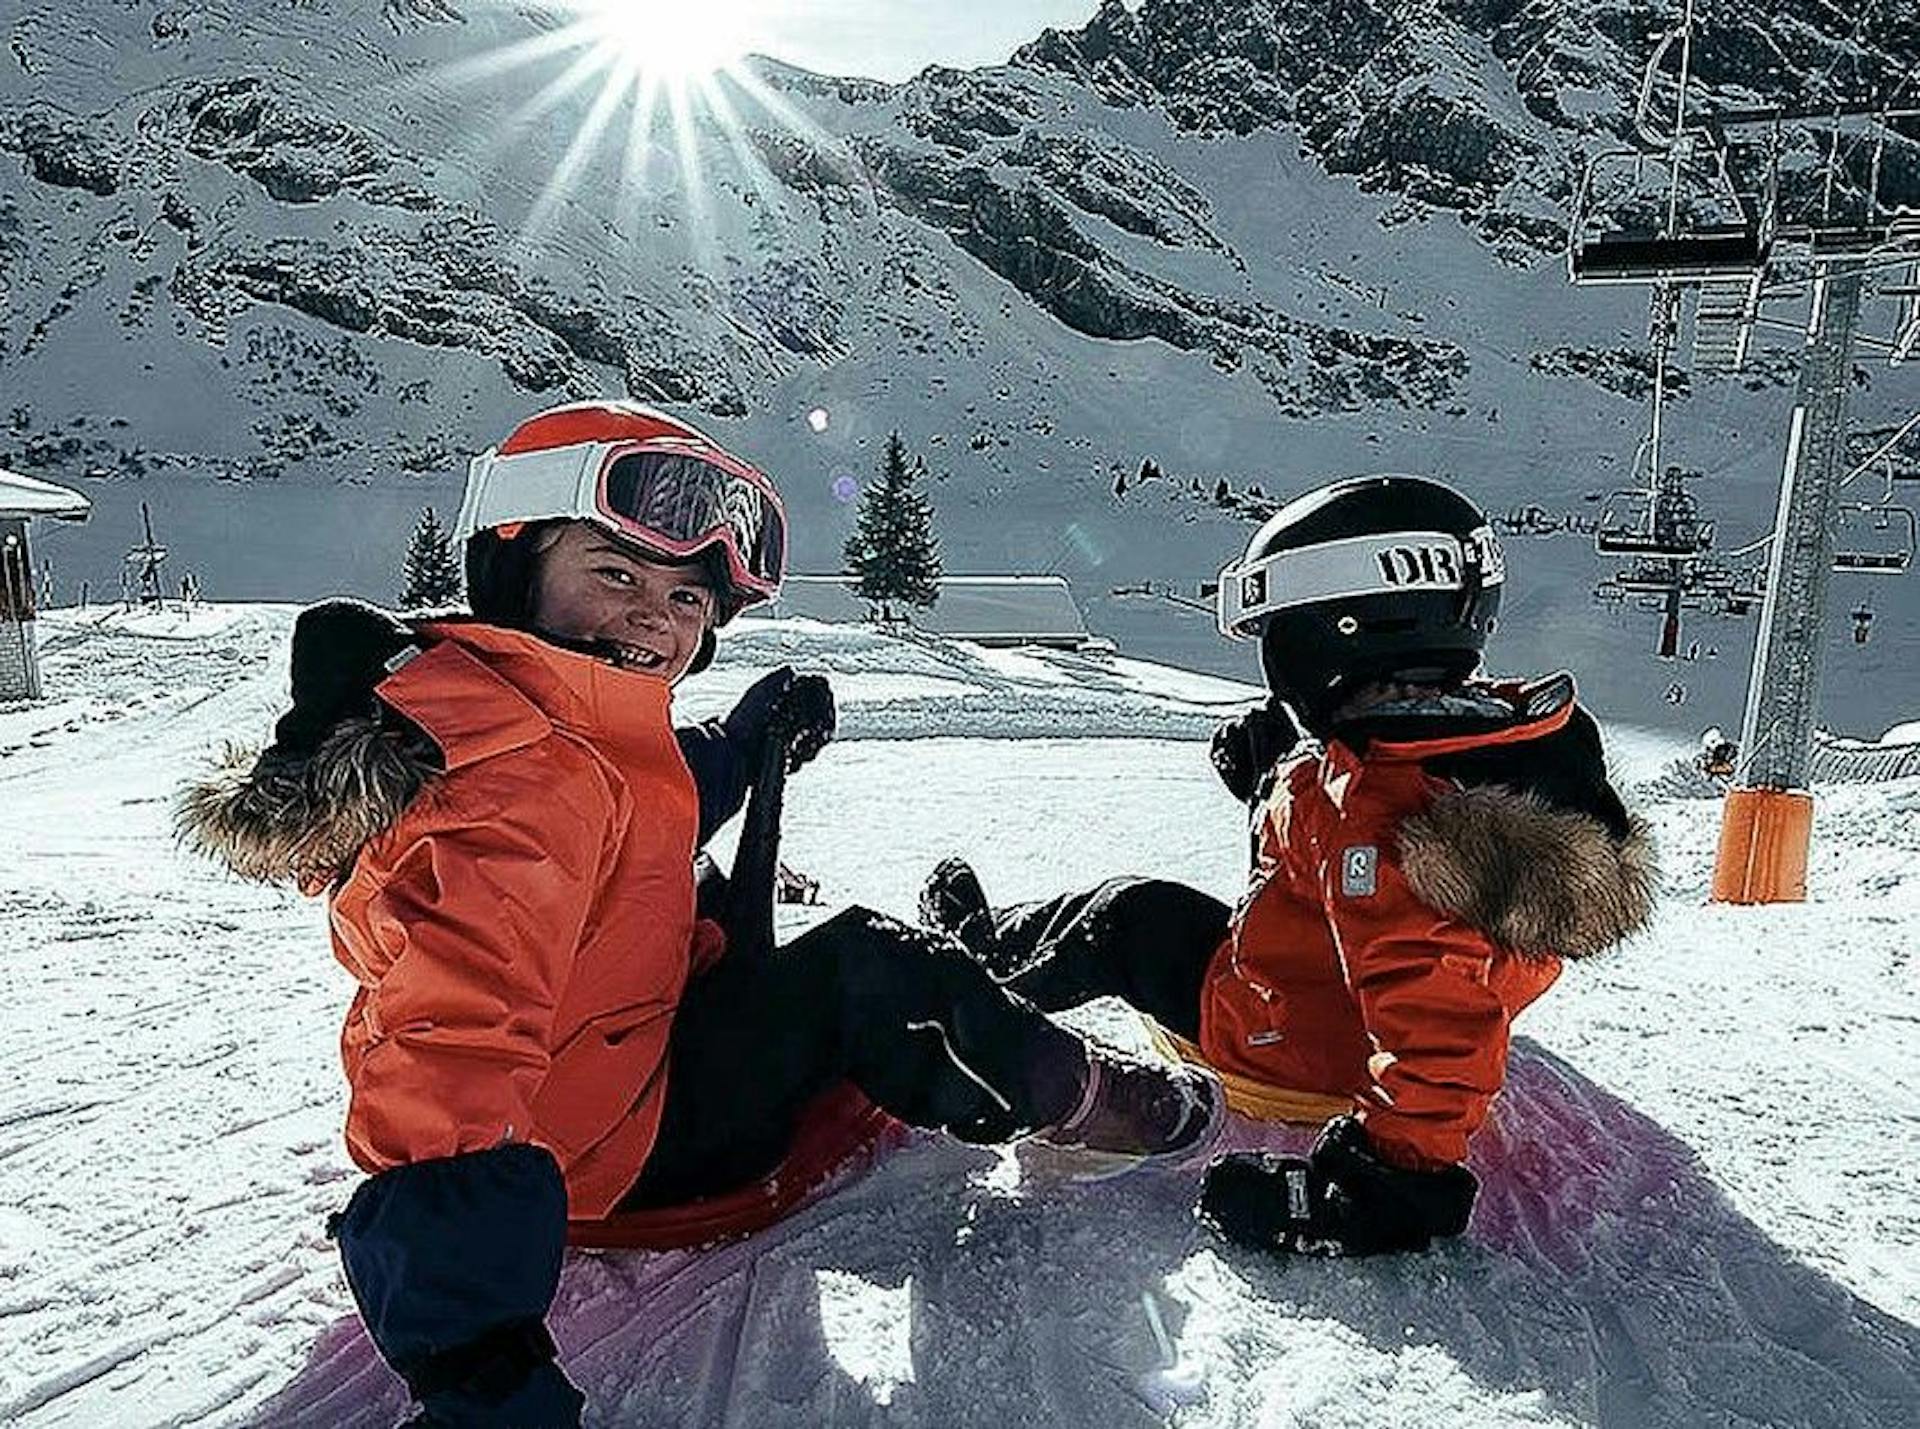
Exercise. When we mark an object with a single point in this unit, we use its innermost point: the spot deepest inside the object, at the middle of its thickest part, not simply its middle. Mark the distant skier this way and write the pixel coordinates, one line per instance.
(505, 822)
(1718, 757)
(1421, 866)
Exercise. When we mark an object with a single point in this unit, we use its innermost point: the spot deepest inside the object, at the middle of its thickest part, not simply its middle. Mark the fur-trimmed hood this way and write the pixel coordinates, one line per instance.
(1530, 843)
(340, 768)
(301, 820)
(1534, 878)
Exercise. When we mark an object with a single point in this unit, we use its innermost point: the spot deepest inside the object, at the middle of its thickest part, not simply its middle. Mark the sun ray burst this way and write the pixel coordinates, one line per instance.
(693, 110)
(619, 83)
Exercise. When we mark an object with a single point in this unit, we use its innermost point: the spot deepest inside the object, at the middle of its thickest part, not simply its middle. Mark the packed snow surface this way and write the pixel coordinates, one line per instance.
(1699, 1205)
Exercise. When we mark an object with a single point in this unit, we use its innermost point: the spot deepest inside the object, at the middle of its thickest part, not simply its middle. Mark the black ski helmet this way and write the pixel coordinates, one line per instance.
(1370, 578)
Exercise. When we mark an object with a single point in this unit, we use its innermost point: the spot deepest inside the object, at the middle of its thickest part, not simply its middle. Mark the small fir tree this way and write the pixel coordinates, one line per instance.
(431, 576)
(893, 552)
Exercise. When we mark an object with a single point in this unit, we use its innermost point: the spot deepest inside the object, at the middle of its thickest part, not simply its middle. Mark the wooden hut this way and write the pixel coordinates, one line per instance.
(23, 499)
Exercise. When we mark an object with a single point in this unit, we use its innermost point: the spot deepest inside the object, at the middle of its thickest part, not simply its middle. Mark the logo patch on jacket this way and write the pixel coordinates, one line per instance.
(1360, 871)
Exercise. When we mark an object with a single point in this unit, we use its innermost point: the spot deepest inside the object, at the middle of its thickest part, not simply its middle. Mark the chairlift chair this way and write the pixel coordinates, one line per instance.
(1862, 623)
(1714, 252)
(1648, 578)
(1891, 557)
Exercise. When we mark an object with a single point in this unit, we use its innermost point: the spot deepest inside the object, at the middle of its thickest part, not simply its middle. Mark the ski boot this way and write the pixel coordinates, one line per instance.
(1131, 1113)
(953, 902)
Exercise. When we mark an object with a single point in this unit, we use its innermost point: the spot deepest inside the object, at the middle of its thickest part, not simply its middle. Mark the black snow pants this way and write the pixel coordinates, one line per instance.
(904, 1014)
(1146, 941)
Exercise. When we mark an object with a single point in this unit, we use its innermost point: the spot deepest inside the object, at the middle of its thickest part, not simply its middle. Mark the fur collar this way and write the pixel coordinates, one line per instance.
(301, 822)
(1536, 879)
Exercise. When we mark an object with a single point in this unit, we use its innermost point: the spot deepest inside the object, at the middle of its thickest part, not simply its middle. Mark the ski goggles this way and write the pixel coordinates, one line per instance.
(674, 496)
(1399, 562)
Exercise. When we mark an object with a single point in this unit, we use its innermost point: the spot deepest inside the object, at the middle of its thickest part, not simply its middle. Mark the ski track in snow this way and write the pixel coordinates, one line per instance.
(1696, 1207)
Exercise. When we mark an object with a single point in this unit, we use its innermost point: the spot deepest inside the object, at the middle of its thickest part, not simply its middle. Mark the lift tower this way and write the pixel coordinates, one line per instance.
(1768, 821)
(1759, 245)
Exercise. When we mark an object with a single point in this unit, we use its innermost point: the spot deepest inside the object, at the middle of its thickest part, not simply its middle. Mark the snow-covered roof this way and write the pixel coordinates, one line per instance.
(992, 610)
(29, 496)
(1839, 760)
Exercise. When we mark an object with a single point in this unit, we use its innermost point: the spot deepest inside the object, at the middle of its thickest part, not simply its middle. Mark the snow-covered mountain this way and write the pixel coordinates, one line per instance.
(277, 269)
(1698, 1205)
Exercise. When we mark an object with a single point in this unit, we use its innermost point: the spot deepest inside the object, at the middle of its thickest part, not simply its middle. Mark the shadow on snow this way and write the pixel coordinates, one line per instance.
(1607, 1280)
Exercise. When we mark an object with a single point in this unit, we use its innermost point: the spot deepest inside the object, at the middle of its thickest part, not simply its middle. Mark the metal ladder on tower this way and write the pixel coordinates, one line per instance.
(1723, 323)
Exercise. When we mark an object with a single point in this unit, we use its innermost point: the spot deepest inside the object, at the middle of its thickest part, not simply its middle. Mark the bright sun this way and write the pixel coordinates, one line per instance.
(662, 83)
(675, 41)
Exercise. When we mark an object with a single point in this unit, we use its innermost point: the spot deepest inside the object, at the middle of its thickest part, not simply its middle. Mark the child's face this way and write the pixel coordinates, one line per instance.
(653, 612)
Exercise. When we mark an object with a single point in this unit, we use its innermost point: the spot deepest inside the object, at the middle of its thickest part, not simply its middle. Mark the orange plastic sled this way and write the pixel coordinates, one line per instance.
(840, 1135)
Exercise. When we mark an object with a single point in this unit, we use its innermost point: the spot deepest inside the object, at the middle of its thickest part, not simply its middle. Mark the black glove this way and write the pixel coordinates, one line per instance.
(1246, 748)
(796, 706)
(1342, 1200)
(341, 650)
(454, 1262)
(506, 1380)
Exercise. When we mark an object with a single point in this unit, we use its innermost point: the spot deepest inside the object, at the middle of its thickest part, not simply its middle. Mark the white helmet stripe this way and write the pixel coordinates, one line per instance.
(1355, 566)
(538, 485)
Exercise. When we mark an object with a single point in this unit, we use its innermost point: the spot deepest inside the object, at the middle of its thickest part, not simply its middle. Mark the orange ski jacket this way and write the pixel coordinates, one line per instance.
(521, 934)
(1398, 920)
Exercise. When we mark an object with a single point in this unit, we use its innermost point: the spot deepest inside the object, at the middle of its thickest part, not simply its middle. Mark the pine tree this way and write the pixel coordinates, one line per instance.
(893, 551)
(431, 576)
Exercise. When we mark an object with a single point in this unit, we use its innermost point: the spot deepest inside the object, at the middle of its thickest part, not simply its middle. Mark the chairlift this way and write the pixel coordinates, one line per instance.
(1891, 556)
(1712, 253)
(1706, 253)
(1674, 541)
(1638, 580)
(1740, 593)
(1862, 623)
(1664, 519)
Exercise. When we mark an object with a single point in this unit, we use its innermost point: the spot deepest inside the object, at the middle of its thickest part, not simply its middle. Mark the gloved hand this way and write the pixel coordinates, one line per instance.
(341, 650)
(1246, 747)
(1342, 1200)
(453, 1262)
(799, 705)
(507, 1381)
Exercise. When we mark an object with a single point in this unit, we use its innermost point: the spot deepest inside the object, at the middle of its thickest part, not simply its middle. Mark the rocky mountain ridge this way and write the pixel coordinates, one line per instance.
(250, 253)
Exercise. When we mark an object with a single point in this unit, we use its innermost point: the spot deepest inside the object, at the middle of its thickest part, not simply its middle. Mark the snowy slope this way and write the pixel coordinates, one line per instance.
(1697, 1209)
(277, 270)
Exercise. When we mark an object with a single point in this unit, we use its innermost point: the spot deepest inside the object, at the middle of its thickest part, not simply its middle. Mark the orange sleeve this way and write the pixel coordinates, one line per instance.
(481, 912)
(1421, 980)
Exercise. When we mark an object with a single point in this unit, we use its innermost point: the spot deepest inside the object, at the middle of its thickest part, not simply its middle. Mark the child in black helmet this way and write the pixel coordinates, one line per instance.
(1428, 847)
